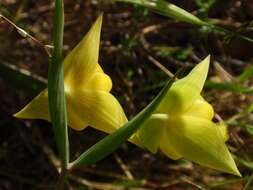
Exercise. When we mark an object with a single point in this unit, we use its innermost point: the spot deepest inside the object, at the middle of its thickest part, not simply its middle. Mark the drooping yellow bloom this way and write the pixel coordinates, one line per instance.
(87, 88)
(182, 125)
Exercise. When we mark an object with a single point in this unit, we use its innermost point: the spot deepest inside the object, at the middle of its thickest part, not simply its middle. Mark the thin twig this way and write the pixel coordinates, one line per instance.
(124, 167)
(218, 117)
(160, 66)
(25, 72)
(102, 173)
(193, 183)
(101, 186)
(25, 34)
(224, 75)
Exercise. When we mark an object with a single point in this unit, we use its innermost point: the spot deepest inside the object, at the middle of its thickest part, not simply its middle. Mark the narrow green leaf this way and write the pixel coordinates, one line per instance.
(248, 184)
(243, 162)
(228, 182)
(242, 124)
(168, 9)
(248, 109)
(56, 96)
(249, 128)
(246, 74)
(205, 6)
(229, 87)
(111, 142)
(246, 126)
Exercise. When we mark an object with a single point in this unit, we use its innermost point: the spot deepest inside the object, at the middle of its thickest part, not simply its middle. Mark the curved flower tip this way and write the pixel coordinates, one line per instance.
(182, 125)
(87, 90)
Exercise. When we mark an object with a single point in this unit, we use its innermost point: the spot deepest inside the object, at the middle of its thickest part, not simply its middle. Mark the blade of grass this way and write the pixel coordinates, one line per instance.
(57, 105)
(243, 162)
(229, 87)
(205, 6)
(248, 109)
(167, 9)
(56, 96)
(247, 185)
(227, 32)
(170, 10)
(228, 182)
(111, 142)
(244, 125)
(246, 74)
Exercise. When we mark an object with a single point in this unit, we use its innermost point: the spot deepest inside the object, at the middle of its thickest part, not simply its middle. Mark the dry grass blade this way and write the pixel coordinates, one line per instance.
(24, 34)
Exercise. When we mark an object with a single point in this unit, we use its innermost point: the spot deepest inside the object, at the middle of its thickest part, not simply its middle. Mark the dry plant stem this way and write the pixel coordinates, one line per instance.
(102, 186)
(102, 173)
(160, 66)
(56, 163)
(224, 75)
(25, 34)
(124, 167)
(25, 72)
(186, 180)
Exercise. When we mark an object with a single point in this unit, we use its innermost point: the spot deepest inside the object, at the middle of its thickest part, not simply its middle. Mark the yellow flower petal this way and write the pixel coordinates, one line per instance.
(185, 91)
(99, 109)
(200, 108)
(167, 147)
(82, 61)
(200, 141)
(74, 121)
(36, 109)
(99, 81)
(152, 136)
(150, 133)
(224, 130)
(106, 116)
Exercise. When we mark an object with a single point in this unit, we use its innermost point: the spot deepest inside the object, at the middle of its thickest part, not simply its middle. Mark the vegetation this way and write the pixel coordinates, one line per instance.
(143, 42)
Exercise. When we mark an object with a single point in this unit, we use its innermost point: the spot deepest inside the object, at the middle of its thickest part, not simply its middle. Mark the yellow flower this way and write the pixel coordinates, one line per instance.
(87, 88)
(182, 125)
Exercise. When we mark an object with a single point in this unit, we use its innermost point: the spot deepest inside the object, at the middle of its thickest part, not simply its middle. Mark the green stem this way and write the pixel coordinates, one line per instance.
(56, 95)
(228, 32)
